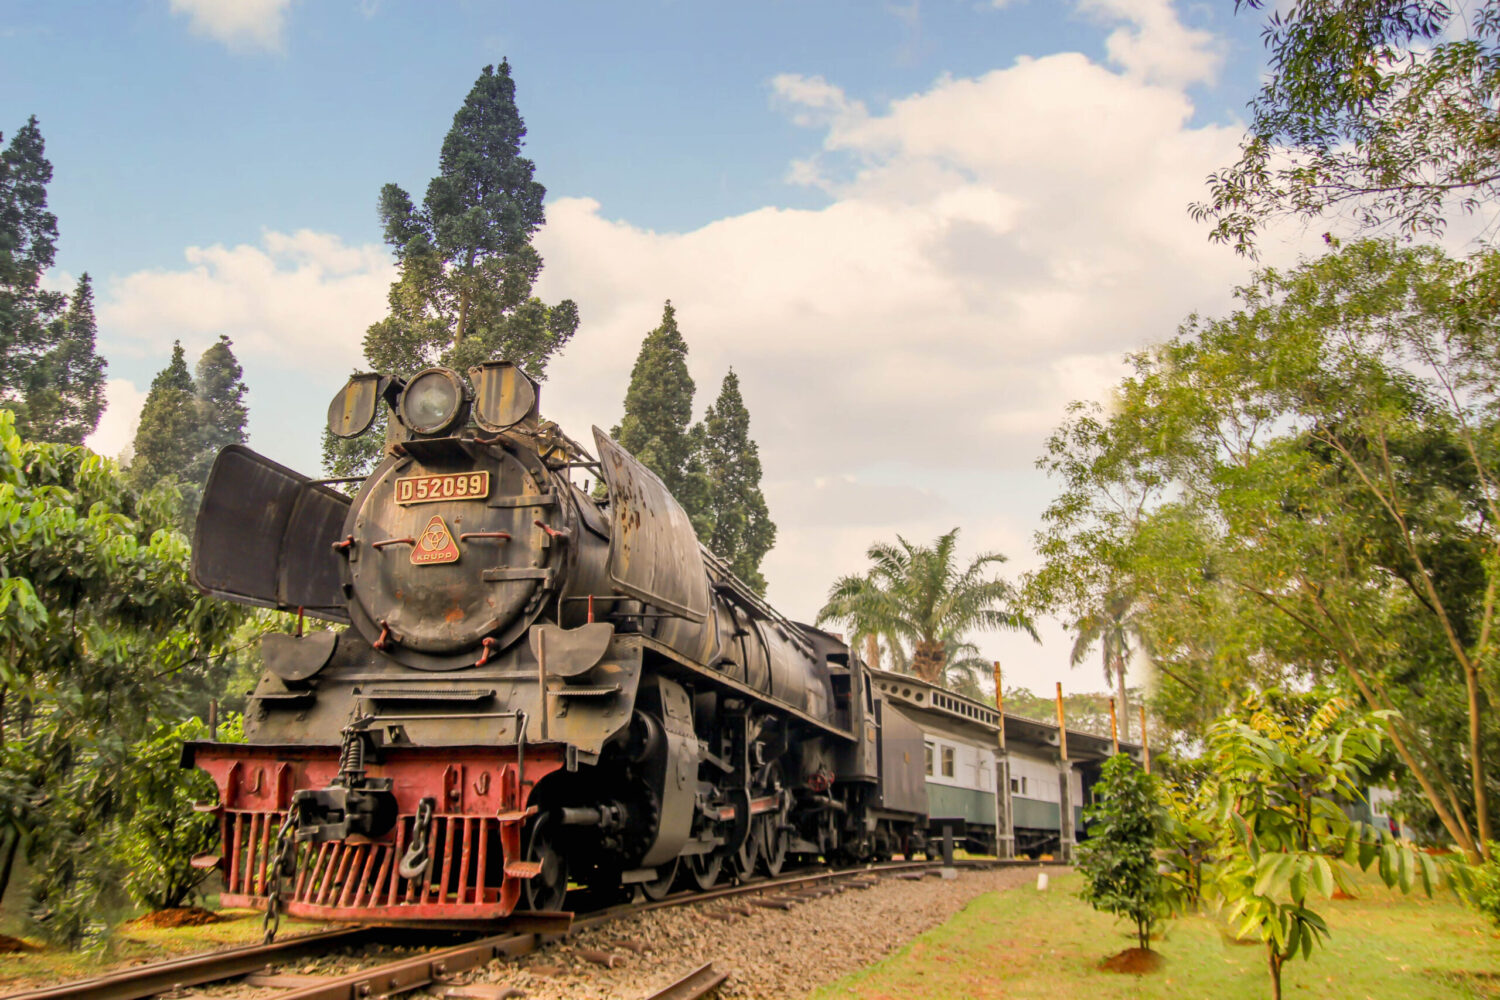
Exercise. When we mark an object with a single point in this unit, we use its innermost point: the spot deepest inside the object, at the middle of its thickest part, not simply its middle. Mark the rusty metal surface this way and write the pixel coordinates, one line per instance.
(264, 536)
(699, 983)
(654, 553)
(148, 980)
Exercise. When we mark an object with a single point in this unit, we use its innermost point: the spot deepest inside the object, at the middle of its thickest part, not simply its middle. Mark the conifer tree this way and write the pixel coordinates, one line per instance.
(742, 529)
(66, 392)
(50, 373)
(221, 389)
(463, 293)
(657, 425)
(167, 440)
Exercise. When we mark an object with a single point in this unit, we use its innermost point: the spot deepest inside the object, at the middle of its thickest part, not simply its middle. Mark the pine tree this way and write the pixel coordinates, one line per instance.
(221, 392)
(742, 529)
(50, 374)
(467, 266)
(167, 441)
(65, 392)
(657, 426)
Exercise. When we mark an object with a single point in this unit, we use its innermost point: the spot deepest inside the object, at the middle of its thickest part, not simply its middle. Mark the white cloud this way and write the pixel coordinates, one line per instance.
(115, 435)
(239, 24)
(303, 298)
(1155, 44)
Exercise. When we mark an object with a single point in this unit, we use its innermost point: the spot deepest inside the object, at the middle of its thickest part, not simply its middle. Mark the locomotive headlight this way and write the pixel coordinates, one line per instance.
(433, 401)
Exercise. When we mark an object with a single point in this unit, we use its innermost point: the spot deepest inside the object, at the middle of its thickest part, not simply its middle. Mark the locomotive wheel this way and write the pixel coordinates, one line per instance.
(548, 888)
(773, 843)
(658, 887)
(702, 871)
(745, 858)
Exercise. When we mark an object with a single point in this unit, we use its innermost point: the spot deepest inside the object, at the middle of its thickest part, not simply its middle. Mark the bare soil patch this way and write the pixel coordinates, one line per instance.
(10, 945)
(1135, 961)
(177, 916)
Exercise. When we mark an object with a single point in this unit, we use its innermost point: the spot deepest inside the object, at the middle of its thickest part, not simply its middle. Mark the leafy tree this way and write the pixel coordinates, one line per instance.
(1284, 837)
(102, 640)
(171, 427)
(1118, 860)
(1381, 108)
(1111, 626)
(1085, 711)
(50, 373)
(155, 847)
(917, 594)
(220, 387)
(1314, 477)
(466, 264)
(657, 425)
(742, 529)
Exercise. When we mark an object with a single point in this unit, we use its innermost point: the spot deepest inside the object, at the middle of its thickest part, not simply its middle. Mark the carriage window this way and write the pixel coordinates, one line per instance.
(928, 748)
(947, 762)
(1015, 786)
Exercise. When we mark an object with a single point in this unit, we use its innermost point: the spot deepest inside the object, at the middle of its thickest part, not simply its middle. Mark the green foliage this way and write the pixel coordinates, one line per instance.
(185, 422)
(467, 266)
(742, 529)
(1112, 625)
(657, 426)
(103, 640)
(166, 441)
(156, 845)
(1380, 108)
(1118, 859)
(1484, 895)
(917, 594)
(50, 375)
(220, 389)
(1279, 785)
(1303, 492)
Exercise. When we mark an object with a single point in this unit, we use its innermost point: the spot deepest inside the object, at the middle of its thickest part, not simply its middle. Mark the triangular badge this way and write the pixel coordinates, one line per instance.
(434, 545)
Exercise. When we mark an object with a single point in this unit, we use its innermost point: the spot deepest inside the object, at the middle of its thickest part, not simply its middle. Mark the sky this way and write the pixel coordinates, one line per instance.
(915, 231)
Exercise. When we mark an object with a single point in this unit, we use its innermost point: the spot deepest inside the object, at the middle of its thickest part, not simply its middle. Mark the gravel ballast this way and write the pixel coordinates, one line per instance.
(770, 954)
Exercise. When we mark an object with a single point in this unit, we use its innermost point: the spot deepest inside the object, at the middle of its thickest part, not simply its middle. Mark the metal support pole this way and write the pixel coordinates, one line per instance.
(1067, 835)
(1005, 831)
(1114, 732)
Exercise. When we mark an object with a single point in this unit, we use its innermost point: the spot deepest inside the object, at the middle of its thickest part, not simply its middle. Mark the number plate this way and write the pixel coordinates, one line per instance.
(450, 486)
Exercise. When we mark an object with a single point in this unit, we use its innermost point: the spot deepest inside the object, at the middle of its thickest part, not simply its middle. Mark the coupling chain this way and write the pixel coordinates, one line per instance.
(282, 858)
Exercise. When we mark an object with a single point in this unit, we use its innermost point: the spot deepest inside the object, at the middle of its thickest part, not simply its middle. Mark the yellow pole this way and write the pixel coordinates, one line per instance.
(1114, 732)
(1000, 703)
(1062, 726)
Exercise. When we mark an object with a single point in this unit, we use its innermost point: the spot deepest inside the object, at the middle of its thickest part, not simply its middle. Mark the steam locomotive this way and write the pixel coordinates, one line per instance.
(533, 684)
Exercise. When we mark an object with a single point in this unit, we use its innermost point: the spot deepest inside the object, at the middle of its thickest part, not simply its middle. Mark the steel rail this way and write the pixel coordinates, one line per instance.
(699, 983)
(194, 970)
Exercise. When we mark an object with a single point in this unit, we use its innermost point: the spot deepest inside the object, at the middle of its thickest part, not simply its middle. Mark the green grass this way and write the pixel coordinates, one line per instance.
(1046, 946)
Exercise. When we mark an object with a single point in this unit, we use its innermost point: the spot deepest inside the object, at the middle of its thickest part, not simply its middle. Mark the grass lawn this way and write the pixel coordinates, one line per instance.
(1045, 946)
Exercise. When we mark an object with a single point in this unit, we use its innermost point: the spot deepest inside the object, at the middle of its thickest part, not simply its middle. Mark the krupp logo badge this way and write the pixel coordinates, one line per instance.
(434, 545)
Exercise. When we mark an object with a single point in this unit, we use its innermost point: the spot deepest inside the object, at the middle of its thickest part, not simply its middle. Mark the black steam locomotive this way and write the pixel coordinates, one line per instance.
(531, 686)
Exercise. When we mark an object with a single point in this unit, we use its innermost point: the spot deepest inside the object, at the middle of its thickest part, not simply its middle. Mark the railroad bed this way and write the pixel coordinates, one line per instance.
(752, 933)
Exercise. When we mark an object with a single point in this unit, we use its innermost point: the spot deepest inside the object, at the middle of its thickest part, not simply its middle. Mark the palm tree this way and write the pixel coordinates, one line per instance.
(916, 594)
(1112, 626)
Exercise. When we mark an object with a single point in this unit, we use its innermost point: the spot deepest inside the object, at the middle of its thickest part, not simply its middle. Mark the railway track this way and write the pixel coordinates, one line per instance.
(447, 958)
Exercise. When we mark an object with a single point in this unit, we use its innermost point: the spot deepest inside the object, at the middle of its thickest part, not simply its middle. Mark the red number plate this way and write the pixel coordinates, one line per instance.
(450, 486)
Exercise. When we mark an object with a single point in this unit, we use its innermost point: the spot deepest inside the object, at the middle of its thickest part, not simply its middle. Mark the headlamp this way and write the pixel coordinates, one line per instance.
(433, 401)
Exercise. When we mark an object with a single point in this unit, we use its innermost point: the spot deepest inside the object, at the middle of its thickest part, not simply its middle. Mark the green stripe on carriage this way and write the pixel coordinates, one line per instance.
(966, 803)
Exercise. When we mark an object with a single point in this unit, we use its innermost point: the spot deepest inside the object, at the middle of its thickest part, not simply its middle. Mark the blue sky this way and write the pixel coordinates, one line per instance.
(972, 208)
